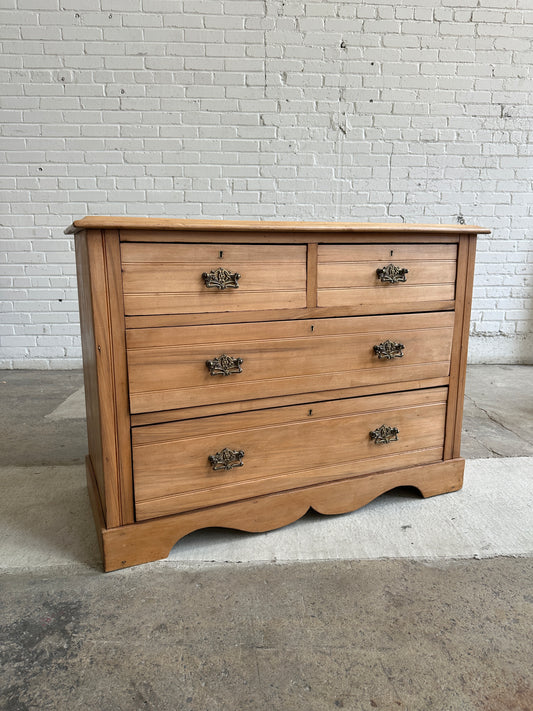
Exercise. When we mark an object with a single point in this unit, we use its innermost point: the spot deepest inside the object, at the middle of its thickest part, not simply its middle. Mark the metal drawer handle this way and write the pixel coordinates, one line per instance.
(384, 434)
(226, 459)
(392, 274)
(221, 279)
(389, 349)
(224, 365)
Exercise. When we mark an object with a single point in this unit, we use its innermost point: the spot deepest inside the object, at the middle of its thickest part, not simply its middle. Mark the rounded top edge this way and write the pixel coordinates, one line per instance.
(170, 223)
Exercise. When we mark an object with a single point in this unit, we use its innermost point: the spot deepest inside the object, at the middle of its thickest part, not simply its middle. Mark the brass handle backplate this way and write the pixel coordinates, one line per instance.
(392, 274)
(226, 459)
(221, 279)
(224, 365)
(389, 349)
(384, 434)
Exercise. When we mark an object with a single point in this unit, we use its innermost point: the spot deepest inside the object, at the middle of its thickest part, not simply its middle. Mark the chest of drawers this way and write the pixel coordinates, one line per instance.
(238, 374)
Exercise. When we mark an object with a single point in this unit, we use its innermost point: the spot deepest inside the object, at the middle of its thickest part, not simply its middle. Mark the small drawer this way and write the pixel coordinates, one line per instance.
(188, 465)
(376, 278)
(212, 278)
(187, 366)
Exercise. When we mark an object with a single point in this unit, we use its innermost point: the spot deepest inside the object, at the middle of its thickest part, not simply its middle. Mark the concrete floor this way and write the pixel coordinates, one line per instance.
(446, 635)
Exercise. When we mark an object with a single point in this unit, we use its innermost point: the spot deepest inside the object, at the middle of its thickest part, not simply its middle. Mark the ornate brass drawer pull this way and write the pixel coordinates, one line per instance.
(389, 350)
(221, 279)
(384, 434)
(226, 459)
(224, 365)
(392, 274)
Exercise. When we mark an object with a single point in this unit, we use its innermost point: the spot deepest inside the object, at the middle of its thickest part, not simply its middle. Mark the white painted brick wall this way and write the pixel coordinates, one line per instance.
(271, 109)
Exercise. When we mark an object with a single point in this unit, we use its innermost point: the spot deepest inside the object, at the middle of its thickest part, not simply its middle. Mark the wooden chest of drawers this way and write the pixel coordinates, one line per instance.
(239, 373)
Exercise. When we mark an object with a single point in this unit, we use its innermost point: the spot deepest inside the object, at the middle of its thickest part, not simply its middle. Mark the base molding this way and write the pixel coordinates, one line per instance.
(153, 540)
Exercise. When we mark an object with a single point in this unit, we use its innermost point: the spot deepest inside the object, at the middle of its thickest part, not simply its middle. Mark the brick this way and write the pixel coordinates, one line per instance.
(172, 100)
(38, 4)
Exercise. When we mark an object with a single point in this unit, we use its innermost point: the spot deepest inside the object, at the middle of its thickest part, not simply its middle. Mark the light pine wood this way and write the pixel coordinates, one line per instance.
(148, 338)
(308, 311)
(167, 367)
(172, 472)
(381, 297)
(353, 254)
(284, 237)
(208, 302)
(284, 415)
(119, 378)
(160, 223)
(162, 320)
(167, 278)
(469, 283)
(210, 256)
(455, 361)
(312, 260)
(346, 274)
(465, 280)
(152, 540)
(237, 491)
(188, 413)
(105, 373)
(90, 377)
(336, 275)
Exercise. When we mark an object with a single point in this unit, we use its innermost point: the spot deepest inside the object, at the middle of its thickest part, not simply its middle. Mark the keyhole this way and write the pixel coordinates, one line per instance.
(310, 412)
(221, 254)
(312, 328)
(391, 252)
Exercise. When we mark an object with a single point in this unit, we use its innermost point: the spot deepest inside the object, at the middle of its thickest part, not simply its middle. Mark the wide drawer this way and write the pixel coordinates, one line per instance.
(279, 449)
(187, 366)
(169, 278)
(347, 275)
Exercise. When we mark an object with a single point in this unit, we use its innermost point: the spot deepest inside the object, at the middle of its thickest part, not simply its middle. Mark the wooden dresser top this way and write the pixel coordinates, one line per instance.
(152, 223)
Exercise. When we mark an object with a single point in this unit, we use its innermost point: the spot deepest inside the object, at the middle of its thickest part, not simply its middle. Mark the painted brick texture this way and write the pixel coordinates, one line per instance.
(271, 109)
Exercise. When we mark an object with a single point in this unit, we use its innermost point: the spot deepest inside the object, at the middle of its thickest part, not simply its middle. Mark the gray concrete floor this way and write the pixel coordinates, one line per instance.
(498, 412)
(380, 634)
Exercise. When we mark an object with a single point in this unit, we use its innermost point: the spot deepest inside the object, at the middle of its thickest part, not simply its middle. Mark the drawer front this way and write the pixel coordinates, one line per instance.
(186, 366)
(347, 275)
(169, 278)
(273, 450)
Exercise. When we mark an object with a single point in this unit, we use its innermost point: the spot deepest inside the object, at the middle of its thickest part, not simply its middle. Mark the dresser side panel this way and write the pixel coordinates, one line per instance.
(467, 307)
(110, 357)
(90, 374)
(117, 338)
(463, 301)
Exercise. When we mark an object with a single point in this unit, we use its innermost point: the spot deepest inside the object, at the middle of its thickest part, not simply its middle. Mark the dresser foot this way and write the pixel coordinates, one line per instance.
(152, 540)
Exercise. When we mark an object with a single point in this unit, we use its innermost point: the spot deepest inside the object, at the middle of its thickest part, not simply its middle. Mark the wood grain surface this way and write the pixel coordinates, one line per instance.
(167, 278)
(295, 446)
(105, 373)
(305, 318)
(152, 540)
(161, 223)
(167, 366)
(346, 274)
(188, 413)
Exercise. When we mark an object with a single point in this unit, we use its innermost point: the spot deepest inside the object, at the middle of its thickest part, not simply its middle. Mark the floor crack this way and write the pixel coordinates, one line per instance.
(492, 418)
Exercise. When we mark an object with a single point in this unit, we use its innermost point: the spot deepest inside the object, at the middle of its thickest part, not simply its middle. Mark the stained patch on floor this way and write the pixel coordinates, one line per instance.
(354, 635)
